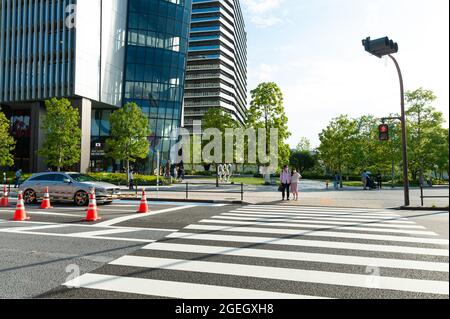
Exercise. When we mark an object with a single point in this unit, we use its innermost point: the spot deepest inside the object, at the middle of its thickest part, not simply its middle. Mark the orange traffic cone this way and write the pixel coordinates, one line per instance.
(4, 201)
(143, 208)
(46, 202)
(20, 215)
(92, 215)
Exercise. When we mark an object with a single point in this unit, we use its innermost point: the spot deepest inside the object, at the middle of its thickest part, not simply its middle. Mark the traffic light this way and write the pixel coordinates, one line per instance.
(380, 47)
(384, 132)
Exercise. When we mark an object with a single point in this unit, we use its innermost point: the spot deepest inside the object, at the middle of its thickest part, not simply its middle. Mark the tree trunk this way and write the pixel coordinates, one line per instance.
(217, 176)
(128, 172)
(393, 174)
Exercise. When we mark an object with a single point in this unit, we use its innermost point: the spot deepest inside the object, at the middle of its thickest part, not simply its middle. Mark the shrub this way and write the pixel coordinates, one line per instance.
(121, 179)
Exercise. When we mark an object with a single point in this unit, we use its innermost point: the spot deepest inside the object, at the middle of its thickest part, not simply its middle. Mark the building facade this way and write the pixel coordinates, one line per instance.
(216, 75)
(98, 53)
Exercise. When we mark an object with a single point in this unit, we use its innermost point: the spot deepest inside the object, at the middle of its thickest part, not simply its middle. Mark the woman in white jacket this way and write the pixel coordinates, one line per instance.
(296, 177)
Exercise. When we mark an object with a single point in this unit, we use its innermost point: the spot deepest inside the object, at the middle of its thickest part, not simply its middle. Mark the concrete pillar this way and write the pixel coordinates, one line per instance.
(37, 113)
(85, 108)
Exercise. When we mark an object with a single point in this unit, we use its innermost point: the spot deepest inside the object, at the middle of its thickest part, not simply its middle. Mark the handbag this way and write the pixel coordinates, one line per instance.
(281, 188)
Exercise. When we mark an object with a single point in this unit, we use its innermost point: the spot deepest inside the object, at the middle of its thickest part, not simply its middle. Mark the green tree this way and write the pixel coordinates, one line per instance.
(8, 143)
(216, 118)
(303, 160)
(339, 145)
(304, 145)
(62, 144)
(267, 111)
(425, 133)
(129, 135)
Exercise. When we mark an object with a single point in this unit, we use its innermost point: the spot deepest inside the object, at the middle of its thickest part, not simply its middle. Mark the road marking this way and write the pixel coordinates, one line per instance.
(20, 229)
(95, 226)
(311, 208)
(298, 275)
(170, 289)
(296, 232)
(33, 212)
(399, 220)
(136, 216)
(369, 228)
(306, 212)
(312, 243)
(299, 256)
(372, 223)
(12, 231)
(101, 232)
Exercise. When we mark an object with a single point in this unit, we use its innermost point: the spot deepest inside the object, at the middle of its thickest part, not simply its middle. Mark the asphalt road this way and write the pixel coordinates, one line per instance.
(55, 245)
(249, 252)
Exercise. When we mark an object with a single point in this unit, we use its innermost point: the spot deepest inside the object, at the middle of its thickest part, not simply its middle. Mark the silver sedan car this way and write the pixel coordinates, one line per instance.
(74, 187)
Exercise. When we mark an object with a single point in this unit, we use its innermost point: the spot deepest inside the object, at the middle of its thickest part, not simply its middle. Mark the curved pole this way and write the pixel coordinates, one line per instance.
(404, 135)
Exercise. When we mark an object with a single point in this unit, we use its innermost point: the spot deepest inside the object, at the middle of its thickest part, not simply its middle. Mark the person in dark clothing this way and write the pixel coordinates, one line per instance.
(379, 180)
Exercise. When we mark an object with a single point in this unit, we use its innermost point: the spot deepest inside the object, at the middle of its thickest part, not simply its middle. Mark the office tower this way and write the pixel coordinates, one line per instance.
(216, 75)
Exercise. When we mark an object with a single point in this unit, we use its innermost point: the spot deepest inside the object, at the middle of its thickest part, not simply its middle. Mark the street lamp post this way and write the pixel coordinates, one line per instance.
(380, 48)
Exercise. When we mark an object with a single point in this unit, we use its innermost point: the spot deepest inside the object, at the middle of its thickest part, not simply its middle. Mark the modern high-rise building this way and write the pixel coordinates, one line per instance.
(100, 54)
(216, 75)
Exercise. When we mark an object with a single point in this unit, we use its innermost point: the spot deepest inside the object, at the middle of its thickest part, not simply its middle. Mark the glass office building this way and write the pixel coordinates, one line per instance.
(100, 54)
(155, 67)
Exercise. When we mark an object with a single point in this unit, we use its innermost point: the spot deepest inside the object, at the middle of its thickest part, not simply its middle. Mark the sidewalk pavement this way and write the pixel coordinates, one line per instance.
(312, 193)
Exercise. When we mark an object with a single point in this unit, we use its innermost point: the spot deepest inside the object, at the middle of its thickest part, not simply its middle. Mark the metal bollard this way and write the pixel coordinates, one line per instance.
(421, 195)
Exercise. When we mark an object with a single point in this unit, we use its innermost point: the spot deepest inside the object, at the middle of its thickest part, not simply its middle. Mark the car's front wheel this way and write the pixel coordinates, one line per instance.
(81, 198)
(30, 197)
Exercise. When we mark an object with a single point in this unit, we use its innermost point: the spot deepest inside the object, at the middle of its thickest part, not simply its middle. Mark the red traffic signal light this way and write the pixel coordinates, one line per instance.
(384, 132)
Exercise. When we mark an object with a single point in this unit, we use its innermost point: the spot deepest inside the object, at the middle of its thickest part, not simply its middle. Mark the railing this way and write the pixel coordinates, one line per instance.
(189, 189)
(202, 76)
(423, 196)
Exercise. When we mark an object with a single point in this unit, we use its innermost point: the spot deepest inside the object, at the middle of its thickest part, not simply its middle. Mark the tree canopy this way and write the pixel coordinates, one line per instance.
(216, 118)
(351, 145)
(130, 130)
(62, 144)
(8, 143)
(267, 111)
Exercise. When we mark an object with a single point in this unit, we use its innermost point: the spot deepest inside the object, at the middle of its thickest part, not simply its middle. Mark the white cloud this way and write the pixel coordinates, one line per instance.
(263, 13)
(264, 72)
(265, 21)
(261, 6)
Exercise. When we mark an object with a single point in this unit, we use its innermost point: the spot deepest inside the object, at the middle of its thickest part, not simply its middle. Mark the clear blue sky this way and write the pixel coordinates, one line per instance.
(313, 50)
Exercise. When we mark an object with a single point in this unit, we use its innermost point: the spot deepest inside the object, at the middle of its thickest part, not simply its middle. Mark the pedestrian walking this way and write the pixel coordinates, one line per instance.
(18, 176)
(365, 178)
(379, 180)
(337, 180)
(220, 172)
(131, 179)
(286, 180)
(167, 175)
(295, 180)
(182, 173)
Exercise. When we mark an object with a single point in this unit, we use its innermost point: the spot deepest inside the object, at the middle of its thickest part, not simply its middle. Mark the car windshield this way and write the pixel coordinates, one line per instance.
(82, 178)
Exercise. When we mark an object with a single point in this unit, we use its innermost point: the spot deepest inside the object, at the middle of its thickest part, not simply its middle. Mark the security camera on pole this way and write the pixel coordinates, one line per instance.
(386, 47)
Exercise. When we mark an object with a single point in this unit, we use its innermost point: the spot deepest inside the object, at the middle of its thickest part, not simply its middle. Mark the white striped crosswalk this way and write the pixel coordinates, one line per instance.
(278, 252)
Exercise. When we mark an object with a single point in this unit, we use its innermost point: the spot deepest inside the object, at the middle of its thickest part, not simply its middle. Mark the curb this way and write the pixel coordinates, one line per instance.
(437, 209)
(177, 200)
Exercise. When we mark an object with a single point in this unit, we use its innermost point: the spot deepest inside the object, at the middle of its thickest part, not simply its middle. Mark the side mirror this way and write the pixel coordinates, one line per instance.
(67, 181)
